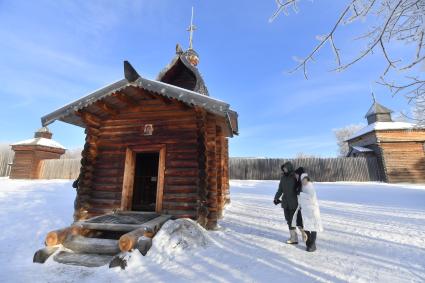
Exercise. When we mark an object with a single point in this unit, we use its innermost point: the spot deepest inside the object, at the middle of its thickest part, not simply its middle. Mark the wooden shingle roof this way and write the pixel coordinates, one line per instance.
(133, 80)
(377, 108)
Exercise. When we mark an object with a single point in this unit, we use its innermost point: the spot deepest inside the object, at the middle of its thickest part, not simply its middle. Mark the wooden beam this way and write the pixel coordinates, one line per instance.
(42, 255)
(88, 118)
(128, 101)
(129, 241)
(148, 94)
(102, 105)
(160, 184)
(108, 226)
(128, 179)
(164, 99)
(88, 260)
(57, 237)
(80, 244)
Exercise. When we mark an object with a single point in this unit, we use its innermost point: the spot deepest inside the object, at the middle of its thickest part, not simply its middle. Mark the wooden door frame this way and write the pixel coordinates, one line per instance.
(129, 173)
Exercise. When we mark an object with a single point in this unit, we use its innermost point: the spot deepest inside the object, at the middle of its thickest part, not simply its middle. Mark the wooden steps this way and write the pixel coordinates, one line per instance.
(97, 241)
(88, 260)
(121, 221)
(80, 244)
(124, 223)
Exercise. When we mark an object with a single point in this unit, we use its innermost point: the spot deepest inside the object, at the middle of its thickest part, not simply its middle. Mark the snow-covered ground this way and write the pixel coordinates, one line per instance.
(373, 233)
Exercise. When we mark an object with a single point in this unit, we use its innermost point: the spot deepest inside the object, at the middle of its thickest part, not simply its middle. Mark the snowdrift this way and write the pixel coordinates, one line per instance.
(175, 237)
(374, 233)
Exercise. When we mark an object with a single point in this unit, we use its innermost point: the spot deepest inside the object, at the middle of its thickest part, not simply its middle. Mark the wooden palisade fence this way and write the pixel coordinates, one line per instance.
(320, 169)
(60, 169)
(6, 158)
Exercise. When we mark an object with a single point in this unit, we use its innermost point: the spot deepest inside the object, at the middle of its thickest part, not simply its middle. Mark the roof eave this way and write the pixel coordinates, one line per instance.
(68, 109)
(67, 112)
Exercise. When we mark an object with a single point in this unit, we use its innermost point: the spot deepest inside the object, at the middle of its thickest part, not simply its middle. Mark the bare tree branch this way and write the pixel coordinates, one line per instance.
(401, 21)
(304, 62)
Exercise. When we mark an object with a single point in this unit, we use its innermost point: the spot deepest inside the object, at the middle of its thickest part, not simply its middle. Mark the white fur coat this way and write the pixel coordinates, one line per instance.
(307, 202)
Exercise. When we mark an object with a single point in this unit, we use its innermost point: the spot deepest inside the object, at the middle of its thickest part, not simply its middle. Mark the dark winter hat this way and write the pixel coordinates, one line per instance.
(288, 166)
(299, 171)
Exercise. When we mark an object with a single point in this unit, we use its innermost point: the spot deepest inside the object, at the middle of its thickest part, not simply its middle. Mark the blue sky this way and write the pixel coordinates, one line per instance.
(53, 52)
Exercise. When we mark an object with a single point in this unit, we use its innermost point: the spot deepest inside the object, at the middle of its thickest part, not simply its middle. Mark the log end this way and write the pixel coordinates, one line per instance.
(126, 243)
(51, 239)
(42, 255)
(57, 237)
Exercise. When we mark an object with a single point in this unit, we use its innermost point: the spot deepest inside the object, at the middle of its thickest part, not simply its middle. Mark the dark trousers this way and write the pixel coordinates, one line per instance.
(289, 215)
(311, 238)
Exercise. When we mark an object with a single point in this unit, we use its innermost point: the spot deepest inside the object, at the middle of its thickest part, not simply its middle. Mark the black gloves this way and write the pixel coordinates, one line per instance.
(277, 201)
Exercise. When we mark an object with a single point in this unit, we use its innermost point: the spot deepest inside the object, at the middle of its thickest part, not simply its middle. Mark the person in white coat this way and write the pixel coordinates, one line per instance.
(309, 206)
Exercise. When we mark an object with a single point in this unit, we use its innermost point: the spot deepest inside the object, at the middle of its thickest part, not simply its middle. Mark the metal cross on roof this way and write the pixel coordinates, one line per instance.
(373, 97)
(191, 29)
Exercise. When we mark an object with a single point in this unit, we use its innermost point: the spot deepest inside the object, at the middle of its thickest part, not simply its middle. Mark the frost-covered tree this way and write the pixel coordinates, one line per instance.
(4, 146)
(419, 109)
(390, 22)
(342, 134)
(301, 155)
(400, 117)
(74, 153)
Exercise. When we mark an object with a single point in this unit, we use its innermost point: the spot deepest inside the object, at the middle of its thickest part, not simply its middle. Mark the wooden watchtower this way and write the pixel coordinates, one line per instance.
(153, 145)
(398, 146)
(30, 153)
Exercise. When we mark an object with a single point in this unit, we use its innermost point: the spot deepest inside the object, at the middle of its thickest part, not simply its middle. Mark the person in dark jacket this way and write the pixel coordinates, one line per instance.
(287, 190)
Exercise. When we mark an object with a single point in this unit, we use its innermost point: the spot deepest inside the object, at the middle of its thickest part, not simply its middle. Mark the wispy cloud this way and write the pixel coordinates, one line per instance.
(305, 143)
(323, 144)
(288, 99)
(43, 72)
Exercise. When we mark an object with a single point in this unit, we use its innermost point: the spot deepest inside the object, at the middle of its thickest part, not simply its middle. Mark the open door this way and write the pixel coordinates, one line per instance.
(143, 180)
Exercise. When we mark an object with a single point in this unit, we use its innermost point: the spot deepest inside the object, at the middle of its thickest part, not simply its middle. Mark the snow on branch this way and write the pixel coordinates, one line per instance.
(394, 21)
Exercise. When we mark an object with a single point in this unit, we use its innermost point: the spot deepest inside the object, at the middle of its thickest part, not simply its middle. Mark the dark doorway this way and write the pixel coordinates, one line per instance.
(145, 181)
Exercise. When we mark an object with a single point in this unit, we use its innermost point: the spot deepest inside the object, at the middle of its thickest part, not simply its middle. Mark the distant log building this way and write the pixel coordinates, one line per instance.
(399, 146)
(153, 145)
(30, 153)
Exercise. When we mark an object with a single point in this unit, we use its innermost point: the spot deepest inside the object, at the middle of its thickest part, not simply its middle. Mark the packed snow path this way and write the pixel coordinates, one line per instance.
(373, 233)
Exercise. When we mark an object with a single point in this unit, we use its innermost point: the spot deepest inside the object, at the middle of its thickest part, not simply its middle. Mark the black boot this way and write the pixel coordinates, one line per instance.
(311, 241)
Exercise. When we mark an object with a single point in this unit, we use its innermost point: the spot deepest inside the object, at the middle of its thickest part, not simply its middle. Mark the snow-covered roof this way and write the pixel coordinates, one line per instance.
(41, 142)
(132, 79)
(362, 149)
(382, 126)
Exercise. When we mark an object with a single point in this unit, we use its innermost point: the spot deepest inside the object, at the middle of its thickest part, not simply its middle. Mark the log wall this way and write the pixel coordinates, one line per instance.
(82, 204)
(403, 153)
(174, 128)
(404, 162)
(191, 176)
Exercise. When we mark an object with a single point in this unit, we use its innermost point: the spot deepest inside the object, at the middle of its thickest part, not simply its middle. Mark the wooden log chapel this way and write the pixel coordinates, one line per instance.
(153, 145)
